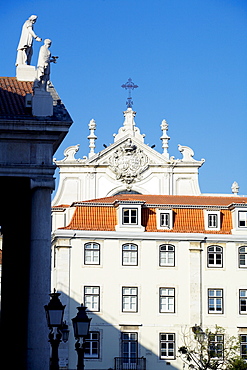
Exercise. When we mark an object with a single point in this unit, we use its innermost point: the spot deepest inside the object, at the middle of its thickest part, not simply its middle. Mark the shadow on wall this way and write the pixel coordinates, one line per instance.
(113, 346)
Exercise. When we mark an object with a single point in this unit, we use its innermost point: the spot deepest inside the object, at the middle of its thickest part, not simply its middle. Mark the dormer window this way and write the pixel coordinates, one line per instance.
(242, 219)
(239, 217)
(164, 219)
(212, 220)
(130, 216)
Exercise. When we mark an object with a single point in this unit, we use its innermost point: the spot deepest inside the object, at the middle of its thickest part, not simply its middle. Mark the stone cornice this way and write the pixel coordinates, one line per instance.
(190, 237)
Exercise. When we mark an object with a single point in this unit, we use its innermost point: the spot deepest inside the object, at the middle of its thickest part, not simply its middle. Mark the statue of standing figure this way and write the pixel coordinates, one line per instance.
(43, 67)
(25, 47)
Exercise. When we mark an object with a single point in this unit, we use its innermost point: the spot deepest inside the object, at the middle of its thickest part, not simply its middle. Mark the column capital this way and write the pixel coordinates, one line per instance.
(41, 182)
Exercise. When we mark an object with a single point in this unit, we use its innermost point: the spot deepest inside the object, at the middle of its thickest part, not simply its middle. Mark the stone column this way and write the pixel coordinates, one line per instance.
(195, 284)
(39, 278)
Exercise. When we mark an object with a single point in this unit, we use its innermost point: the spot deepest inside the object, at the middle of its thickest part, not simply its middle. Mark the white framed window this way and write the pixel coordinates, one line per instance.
(92, 345)
(243, 346)
(212, 220)
(167, 346)
(242, 255)
(164, 219)
(167, 300)
(166, 255)
(91, 254)
(242, 219)
(129, 254)
(243, 301)
(215, 256)
(216, 345)
(130, 216)
(129, 351)
(92, 298)
(129, 299)
(215, 301)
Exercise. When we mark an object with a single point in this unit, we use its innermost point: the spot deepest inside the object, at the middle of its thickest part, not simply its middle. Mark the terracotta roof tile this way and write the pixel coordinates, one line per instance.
(12, 100)
(199, 200)
(61, 206)
(12, 96)
(93, 218)
(186, 220)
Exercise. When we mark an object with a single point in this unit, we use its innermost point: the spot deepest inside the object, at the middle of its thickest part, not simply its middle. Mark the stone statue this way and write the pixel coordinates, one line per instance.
(25, 47)
(43, 67)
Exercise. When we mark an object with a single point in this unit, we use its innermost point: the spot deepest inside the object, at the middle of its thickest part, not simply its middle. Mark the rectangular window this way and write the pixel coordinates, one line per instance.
(242, 219)
(243, 346)
(91, 254)
(167, 346)
(130, 216)
(129, 299)
(215, 256)
(215, 300)
(129, 255)
(243, 301)
(242, 256)
(212, 220)
(165, 219)
(167, 255)
(216, 345)
(92, 345)
(129, 350)
(92, 298)
(167, 300)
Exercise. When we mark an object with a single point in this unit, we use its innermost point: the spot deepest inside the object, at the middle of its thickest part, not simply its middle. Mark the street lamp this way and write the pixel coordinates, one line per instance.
(65, 332)
(81, 324)
(54, 315)
(199, 333)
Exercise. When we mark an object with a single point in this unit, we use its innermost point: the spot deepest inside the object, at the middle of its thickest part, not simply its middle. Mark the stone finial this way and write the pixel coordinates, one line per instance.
(235, 188)
(165, 138)
(129, 127)
(92, 137)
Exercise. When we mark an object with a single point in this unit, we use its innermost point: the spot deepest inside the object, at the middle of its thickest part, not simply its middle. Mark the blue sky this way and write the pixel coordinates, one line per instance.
(188, 57)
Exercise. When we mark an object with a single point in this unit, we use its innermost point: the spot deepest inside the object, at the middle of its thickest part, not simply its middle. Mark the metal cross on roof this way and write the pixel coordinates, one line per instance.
(129, 85)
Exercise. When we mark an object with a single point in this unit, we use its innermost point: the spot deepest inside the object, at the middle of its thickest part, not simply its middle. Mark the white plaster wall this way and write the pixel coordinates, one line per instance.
(110, 275)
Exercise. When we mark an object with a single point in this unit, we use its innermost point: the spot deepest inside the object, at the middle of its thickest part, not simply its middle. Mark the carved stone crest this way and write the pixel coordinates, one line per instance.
(128, 163)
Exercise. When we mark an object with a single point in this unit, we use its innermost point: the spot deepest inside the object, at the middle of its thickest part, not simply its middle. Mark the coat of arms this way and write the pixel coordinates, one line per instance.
(128, 163)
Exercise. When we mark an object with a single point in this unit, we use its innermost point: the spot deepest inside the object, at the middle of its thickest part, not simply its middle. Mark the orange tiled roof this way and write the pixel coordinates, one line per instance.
(93, 218)
(61, 206)
(12, 101)
(186, 220)
(12, 96)
(101, 214)
(199, 200)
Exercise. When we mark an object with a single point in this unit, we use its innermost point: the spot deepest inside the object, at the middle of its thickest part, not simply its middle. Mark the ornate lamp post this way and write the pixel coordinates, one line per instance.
(58, 329)
(199, 333)
(81, 324)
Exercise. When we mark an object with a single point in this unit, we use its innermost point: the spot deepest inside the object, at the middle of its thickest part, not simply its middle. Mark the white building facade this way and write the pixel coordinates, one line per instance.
(126, 165)
(149, 256)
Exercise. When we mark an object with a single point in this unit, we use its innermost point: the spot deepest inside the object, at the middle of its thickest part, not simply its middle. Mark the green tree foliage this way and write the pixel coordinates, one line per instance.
(210, 350)
(237, 364)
